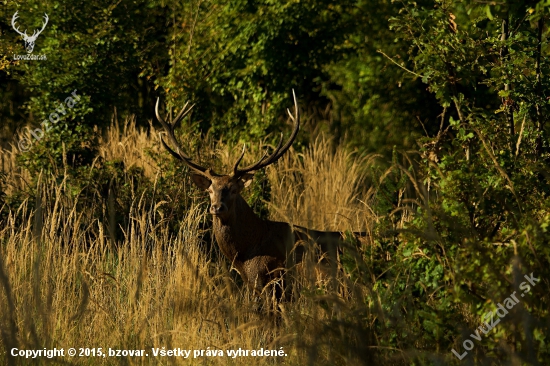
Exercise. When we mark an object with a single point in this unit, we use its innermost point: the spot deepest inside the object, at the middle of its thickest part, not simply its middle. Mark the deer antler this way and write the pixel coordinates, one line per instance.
(279, 151)
(179, 154)
(13, 19)
(37, 33)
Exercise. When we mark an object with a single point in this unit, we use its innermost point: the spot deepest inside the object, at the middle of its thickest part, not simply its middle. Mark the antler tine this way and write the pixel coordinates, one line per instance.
(235, 167)
(169, 129)
(237, 171)
(276, 151)
(13, 20)
(279, 151)
(181, 115)
(44, 24)
(257, 164)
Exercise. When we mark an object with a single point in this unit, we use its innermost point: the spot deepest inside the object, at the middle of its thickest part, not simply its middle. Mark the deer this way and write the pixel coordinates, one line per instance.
(260, 250)
(29, 40)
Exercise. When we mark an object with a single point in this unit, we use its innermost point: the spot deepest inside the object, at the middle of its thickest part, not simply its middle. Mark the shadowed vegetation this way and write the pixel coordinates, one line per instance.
(424, 125)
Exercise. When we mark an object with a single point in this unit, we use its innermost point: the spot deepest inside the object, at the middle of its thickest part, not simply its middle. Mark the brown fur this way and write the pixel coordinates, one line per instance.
(257, 248)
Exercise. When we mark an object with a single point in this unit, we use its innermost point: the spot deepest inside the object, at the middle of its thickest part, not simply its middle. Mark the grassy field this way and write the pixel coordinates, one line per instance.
(423, 124)
(162, 284)
(119, 255)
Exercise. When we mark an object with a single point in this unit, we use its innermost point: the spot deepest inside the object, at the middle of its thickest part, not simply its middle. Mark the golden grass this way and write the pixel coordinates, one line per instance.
(131, 145)
(321, 189)
(65, 284)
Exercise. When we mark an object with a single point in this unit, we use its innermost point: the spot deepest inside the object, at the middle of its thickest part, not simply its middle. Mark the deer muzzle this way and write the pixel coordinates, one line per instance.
(218, 208)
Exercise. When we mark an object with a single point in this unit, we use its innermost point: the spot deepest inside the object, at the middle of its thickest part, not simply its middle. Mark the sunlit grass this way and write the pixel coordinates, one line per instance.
(66, 283)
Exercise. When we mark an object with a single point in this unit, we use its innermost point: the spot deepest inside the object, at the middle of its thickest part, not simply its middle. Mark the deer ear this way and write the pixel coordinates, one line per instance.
(246, 180)
(201, 181)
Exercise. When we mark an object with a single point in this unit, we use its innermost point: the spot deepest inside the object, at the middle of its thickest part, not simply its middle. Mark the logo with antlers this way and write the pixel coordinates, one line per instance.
(29, 40)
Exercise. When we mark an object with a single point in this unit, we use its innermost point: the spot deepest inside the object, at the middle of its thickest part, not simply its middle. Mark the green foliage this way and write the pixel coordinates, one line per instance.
(240, 60)
(470, 218)
(95, 48)
(461, 220)
(71, 148)
(258, 194)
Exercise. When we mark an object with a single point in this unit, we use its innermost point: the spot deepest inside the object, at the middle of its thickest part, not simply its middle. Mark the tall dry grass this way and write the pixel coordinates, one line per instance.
(131, 145)
(322, 188)
(16, 179)
(64, 283)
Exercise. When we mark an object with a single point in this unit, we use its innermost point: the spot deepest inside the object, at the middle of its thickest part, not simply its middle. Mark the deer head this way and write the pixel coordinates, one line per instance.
(224, 188)
(29, 40)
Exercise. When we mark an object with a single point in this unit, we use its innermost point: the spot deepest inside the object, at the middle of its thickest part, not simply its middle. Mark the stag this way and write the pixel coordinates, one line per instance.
(258, 249)
(29, 40)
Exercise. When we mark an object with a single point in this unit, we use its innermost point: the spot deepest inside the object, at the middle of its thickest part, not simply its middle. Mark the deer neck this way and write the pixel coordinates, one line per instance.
(237, 235)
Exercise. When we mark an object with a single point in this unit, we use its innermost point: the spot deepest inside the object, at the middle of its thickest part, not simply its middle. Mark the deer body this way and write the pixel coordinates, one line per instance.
(259, 249)
(259, 252)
